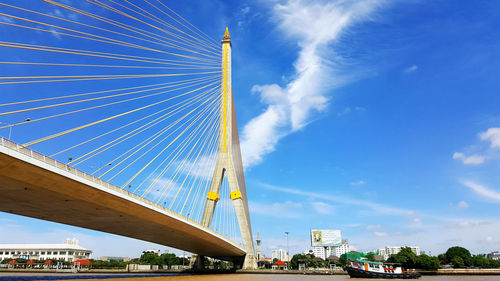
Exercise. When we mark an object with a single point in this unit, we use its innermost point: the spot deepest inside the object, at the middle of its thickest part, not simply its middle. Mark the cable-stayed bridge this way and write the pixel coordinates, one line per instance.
(119, 116)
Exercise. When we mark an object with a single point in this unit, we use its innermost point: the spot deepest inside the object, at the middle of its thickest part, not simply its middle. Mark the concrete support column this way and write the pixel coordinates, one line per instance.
(229, 164)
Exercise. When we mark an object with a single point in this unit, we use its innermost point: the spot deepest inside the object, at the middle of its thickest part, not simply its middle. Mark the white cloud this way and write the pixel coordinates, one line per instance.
(202, 168)
(360, 182)
(315, 26)
(375, 208)
(245, 10)
(163, 188)
(483, 191)
(474, 160)
(380, 234)
(55, 33)
(463, 204)
(493, 136)
(411, 69)
(490, 240)
(6, 19)
(286, 209)
(467, 224)
(373, 227)
(469, 160)
(346, 111)
(322, 208)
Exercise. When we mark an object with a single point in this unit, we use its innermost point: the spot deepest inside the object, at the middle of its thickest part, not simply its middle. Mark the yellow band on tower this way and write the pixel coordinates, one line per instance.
(224, 101)
(213, 196)
(235, 195)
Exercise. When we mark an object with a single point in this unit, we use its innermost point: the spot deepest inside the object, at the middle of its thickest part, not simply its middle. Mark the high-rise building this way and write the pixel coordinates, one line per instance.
(341, 249)
(325, 252)
(279, 254)
(392, 250)
(319, 252)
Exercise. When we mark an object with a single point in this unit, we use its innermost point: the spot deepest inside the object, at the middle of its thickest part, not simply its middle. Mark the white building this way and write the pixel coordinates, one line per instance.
(325, 252)
(340, 250)
(69, 251)
(320, 252)
(392, 250)
(494, 255)
(279, 254)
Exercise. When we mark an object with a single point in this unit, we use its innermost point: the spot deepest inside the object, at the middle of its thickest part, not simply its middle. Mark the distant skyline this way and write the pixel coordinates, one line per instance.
(379, 118)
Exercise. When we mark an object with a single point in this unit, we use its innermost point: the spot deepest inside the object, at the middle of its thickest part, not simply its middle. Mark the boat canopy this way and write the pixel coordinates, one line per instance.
(372, 262)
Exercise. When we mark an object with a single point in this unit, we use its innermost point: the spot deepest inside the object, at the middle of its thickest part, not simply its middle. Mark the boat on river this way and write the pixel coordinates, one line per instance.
(371, 269)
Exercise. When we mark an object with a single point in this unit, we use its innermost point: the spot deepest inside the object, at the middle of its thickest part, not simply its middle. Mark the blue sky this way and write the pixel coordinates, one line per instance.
(379, 118)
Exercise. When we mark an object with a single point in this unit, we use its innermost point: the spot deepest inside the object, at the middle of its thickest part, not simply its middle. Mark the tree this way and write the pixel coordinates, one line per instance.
(308, 260)
(370, 257)
(460, 252)
(150, 258)
(457, 262)
(169, 259)
(183, 261)
(342, 261)
(427, 262)
(480, 261)
(112, 264)
(405, 257)
(442, 258)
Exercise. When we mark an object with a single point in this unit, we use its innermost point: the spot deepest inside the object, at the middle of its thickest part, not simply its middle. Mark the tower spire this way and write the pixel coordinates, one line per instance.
(226, 35)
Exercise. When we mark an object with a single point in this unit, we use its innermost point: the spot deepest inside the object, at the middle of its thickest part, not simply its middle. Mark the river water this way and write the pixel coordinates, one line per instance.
(293, 277)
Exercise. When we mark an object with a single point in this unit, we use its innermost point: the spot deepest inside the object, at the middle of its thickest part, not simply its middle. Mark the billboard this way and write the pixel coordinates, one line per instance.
(325, 238)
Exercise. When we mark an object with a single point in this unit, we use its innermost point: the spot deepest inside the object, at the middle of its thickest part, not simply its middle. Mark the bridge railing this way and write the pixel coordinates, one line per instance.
(53, 162)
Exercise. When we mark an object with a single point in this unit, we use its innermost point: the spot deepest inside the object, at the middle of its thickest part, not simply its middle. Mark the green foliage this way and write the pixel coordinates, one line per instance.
(18, 260)
(275, 260)
(461, 257)
(342, 260)
(112, 264)
(484, 262)
(166, 259)
(442, 258)
(457, 262)
(405, 257)
(481, 261)
(169, 259)
(308, 260)
(370, 257)
(460, 252)
(150, 258)
(427, 262)
(206, 262)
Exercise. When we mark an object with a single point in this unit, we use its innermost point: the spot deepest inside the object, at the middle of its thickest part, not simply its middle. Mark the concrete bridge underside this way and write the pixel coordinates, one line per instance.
(32, 188)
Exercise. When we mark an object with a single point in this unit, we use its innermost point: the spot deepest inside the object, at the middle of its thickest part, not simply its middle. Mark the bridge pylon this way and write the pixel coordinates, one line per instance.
(229, 164)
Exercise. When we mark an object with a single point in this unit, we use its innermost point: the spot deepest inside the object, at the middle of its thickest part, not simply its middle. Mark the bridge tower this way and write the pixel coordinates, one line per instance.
(229, 163)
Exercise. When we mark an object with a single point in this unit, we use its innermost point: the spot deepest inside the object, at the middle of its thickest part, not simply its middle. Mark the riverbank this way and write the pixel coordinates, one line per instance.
(462, 271)
(451, 271)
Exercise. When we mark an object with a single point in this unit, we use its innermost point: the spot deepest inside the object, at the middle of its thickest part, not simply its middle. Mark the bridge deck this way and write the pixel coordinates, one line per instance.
(36, 186)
